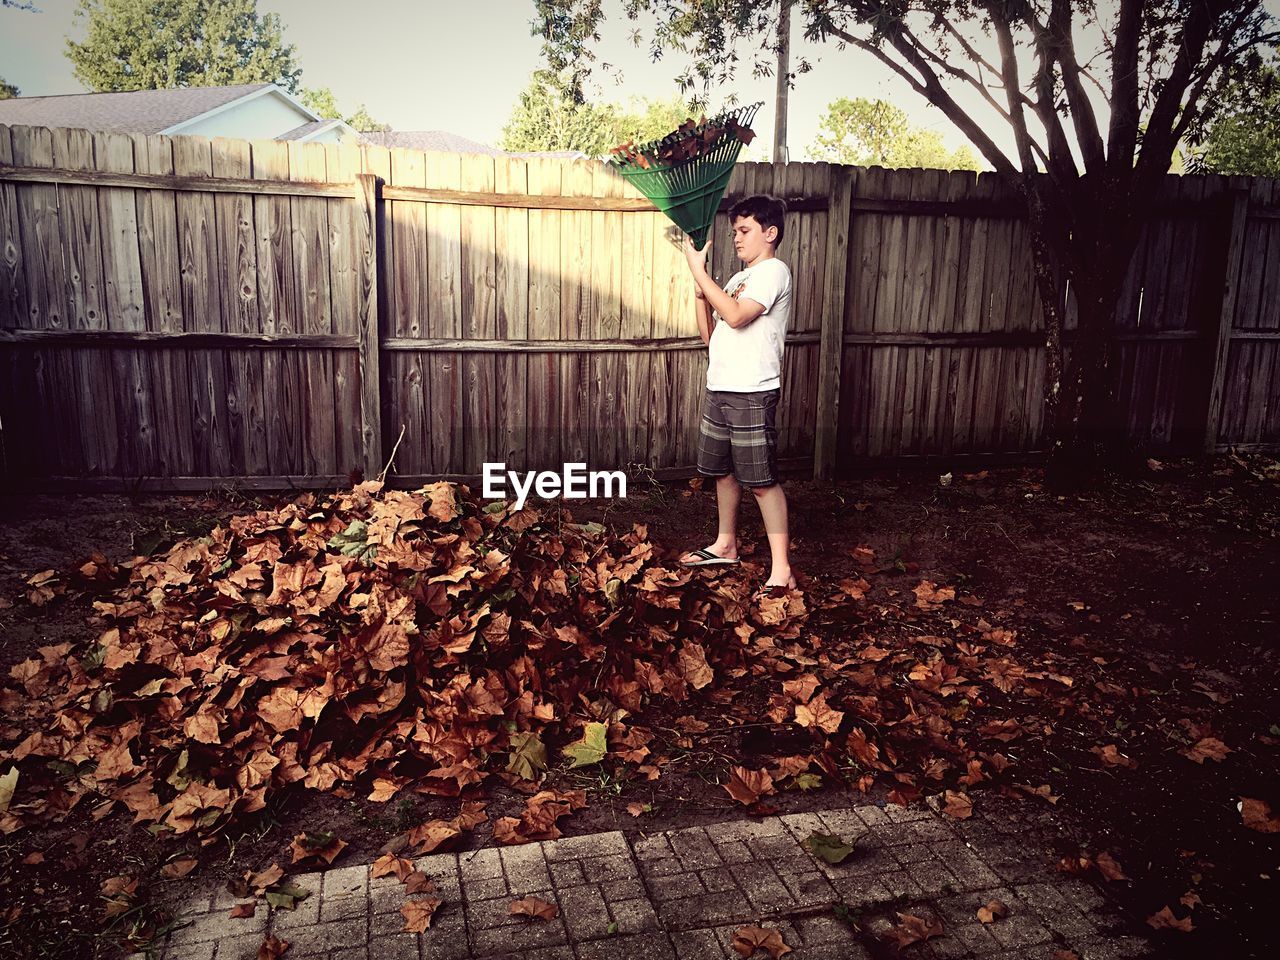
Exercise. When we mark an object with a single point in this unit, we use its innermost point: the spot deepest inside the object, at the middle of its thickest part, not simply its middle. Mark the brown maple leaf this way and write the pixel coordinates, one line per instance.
(1112, 757)
(1208, 748)
(418, 882)
(242, 911)
(389, 863)
(994, 910)
(958, 805)
(817, 715)
(1165, 920)
(1256, 815)
(747, 940)
(177, 869)
(418, 914)
(929, 596)
(272, 948)
(432, 835)
(324, 846)
(260, 881)
(748, 786)
(1109, 867)
(534, 908)
(912, 929)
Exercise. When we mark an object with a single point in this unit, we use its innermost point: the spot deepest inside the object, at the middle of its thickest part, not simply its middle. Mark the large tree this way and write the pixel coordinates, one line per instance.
(322, 101)
(870, 133)
(1091, 98)
(8, 91)
(548, 115)
(159, 44)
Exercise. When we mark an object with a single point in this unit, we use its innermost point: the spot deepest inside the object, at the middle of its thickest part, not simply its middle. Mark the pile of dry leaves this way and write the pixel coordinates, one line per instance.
(374, 642)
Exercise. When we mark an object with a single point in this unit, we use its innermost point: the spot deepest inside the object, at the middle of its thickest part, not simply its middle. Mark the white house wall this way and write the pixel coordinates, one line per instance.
(262, 118)
(334, 135)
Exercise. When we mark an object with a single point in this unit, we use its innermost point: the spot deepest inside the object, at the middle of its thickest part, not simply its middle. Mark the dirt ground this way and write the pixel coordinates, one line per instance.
(1165, 582)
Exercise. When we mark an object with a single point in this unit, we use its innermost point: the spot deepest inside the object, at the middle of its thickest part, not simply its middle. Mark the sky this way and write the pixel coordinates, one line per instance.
(459, 66)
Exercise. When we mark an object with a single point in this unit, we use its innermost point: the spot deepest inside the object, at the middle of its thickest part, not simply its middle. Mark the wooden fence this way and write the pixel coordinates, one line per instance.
(176, 312)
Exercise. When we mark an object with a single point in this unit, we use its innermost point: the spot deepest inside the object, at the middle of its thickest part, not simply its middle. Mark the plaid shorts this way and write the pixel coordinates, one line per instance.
(738, 436)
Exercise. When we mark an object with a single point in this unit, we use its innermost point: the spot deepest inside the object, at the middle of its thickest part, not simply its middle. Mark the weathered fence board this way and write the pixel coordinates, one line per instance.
(183, 310)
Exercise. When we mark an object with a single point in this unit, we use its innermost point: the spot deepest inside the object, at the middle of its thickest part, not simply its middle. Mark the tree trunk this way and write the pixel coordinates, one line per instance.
(1087, 434)
(1080, 242)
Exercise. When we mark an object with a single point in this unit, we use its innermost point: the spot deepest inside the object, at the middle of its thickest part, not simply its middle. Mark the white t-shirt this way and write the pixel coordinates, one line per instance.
(749, 359)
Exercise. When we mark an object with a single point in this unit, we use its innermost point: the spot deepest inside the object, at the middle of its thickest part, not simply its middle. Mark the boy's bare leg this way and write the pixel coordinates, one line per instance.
(728, 496)
(773, 508)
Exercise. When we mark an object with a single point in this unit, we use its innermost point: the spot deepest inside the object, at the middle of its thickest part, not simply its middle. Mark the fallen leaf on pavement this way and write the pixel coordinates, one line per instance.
(958, 805)
(828, 847)
(418, 914)
(912, 929)
(389, 863)
(747, 940)
(535, 908)
(994, 910)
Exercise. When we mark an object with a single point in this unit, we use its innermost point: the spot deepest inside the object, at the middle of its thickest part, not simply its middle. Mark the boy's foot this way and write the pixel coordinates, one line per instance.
(707, 557)
(770, 588)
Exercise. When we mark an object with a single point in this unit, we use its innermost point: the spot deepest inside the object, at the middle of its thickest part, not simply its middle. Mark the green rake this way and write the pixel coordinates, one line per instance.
(689, 191)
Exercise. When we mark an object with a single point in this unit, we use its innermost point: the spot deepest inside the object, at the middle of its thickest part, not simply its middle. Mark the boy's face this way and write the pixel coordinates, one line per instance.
(750, 240)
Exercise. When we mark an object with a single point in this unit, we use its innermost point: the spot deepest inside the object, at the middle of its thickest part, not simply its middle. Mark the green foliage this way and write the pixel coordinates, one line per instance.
(876, 133)
(353, 542)
(1245, 138)
(528, 756)
(828, 847)
(160, 44)
(362, 121)
(321, 100)
(567, 28)
(8, 91)
(547, 116)
(591, 748)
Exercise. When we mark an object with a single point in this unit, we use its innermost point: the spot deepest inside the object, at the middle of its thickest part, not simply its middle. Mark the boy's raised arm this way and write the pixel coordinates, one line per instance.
(736, 313)
(703, 313)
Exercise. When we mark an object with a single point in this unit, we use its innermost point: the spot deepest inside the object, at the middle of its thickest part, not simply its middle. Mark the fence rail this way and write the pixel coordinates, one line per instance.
(179, 311)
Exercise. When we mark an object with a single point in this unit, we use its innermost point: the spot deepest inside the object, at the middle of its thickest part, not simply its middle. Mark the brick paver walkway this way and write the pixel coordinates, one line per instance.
(681, 895)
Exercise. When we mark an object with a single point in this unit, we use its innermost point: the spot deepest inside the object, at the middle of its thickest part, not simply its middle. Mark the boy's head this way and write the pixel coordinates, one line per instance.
(758, 223)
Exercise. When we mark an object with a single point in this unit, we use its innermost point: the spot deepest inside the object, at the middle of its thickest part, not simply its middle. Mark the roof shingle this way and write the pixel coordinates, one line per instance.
(134, 111)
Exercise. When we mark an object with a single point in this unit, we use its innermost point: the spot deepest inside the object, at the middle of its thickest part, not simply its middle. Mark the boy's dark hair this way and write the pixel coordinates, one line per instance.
(766, 211)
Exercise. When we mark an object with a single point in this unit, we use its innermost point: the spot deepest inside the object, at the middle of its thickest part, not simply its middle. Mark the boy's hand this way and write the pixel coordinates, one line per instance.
(697, 258)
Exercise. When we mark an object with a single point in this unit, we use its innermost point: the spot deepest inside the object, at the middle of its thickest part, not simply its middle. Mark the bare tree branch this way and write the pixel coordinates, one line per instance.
(927, 85)
(1013, 88)
(1086, 123)
(1158, 138)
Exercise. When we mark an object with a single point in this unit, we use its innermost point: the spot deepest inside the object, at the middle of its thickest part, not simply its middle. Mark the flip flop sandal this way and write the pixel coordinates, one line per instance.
(768, 591)
(709, 559)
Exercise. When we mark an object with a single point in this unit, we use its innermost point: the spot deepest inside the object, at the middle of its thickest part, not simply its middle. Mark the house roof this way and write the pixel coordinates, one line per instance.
(311, 129)
(134, 111)
(440, 140)
(445, 142)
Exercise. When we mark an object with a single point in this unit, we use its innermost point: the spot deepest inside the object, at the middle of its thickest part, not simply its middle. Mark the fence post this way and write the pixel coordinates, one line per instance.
(1230, 292)
(831, 343)
(367, 190)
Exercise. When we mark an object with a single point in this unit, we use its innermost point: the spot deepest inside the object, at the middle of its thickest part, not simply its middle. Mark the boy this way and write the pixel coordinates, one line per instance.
(745, 336)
